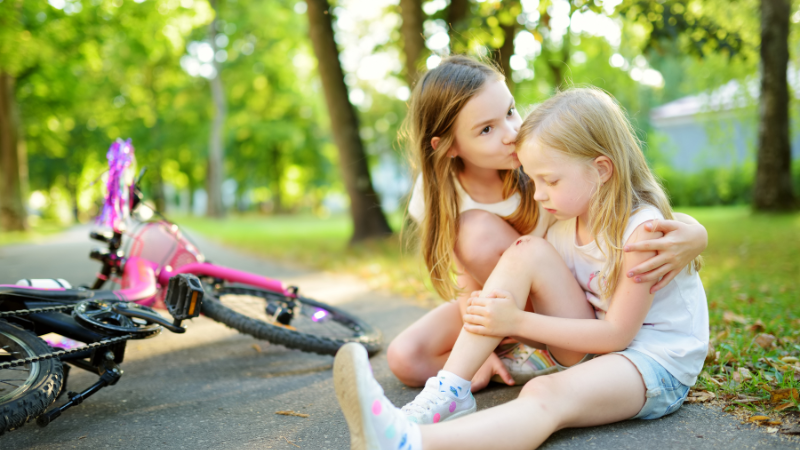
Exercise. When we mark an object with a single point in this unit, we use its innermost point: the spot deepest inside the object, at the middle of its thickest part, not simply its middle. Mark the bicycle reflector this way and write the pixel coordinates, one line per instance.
(184, 297)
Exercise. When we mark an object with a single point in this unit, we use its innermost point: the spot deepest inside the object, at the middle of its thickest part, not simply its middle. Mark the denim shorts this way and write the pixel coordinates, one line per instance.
(665, 394)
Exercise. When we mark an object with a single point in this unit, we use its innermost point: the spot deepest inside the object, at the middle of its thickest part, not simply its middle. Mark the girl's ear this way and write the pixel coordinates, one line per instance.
(605, 168)
(435, 142)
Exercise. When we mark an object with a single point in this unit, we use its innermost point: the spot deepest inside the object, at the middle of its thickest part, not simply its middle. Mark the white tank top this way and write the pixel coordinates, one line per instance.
(416, 206)
(675, 330)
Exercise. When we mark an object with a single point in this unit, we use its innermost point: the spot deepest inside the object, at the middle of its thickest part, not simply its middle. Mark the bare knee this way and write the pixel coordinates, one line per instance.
(544, 393)
(482, 238)
(406, 358)
(543, 387)
(531, 250)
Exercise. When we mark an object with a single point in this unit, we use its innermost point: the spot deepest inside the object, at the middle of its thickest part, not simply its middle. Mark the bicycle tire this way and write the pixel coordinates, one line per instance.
(40, 388)
(258, 325)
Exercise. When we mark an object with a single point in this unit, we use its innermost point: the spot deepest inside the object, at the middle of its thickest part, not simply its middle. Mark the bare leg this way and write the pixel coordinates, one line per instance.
(604, 390)
(482, 239)
(530, 266)
(421, 350)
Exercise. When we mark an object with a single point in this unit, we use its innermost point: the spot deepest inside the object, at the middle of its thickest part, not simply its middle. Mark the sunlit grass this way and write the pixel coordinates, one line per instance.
(37, 232)
(751, 277)
(317, 243)
(751, 280)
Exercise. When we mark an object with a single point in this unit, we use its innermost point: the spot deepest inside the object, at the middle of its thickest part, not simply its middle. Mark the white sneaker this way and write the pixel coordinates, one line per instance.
(432, 406)
(524, 363)
(374, 422)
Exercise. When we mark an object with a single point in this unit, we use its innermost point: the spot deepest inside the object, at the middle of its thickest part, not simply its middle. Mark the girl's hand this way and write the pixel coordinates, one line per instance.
(681, 244)
(492, 366)
(496, 315)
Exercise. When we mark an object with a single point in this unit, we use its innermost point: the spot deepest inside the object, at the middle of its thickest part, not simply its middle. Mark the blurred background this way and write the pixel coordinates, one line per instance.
(274, 126)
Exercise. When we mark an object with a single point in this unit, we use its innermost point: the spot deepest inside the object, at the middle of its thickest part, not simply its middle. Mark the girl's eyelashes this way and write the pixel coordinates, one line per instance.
(551, 183)
(511, 111)
(486, 130)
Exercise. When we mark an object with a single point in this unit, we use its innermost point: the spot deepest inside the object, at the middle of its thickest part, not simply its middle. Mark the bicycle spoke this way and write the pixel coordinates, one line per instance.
(11, 384)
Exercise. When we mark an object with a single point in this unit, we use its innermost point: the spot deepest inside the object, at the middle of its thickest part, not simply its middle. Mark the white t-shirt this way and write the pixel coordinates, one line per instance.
(675, 330)
(416, 206)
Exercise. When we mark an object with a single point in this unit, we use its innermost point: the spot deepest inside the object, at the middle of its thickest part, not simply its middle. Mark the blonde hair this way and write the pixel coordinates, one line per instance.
(437, 99)
(585, 123)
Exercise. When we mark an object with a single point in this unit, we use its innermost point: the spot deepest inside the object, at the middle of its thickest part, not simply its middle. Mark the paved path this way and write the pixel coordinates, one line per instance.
(213, 388)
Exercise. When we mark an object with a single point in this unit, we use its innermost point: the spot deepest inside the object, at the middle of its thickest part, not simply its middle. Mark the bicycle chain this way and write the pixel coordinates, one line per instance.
(60, 353)
(25, 312)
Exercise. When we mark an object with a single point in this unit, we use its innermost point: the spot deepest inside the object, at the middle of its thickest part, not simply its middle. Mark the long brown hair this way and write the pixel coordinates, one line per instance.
(435, 104)
(585, 123)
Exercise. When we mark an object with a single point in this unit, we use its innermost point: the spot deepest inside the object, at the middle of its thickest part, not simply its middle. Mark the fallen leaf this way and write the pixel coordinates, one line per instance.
(257, 348)
(746, 375)
(731, 317)
(746, 399)
(291, 413)
(794, 430)
(790, 359)
(82, 437)
(756, 327)
(290, 442)
(758, 419)
(711, 353)
(700, 396)
(772, 430)
(782, 395)
(737, 377)
(772, 363)
(765, 340)
(772, 422)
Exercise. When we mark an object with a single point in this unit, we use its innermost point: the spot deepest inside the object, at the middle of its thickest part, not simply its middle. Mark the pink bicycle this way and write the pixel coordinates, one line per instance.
(154, 263)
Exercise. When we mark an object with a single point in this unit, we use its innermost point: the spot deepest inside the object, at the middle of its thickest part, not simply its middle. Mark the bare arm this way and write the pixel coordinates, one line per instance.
(684, 239)
(628, 307)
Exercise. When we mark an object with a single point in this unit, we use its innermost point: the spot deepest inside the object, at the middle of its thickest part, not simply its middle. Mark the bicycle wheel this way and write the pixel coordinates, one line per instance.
(309, 325)
(27, 391)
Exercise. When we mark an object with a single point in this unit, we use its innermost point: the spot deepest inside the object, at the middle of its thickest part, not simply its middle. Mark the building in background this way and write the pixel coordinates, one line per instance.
(717, 129)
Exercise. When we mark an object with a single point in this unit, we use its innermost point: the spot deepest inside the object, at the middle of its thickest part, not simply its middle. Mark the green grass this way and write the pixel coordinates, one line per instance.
(312, 242)
(36, 233)
(751, 277)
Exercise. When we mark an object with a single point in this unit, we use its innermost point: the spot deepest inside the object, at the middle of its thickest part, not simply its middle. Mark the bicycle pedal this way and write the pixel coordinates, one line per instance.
(184, 296)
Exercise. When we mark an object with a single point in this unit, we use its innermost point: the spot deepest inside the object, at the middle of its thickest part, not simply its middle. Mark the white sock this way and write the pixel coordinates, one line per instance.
(414, 437)
(453, 384)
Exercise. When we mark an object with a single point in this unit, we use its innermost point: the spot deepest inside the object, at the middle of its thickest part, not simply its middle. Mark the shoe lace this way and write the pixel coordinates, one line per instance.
(424, 401)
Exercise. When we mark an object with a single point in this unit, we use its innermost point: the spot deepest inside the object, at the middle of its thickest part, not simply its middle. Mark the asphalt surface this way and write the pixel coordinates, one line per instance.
(213, 388)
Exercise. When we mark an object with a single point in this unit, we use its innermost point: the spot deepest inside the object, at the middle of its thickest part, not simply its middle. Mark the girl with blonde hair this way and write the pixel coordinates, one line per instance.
(633, 354)
(471, 202)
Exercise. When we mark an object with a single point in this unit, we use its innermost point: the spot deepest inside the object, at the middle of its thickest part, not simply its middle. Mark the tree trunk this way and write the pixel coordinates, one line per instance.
(13, 216)
(276, 167)
(216, 164)
(158, 195)
(503, 54)
(773, 185)
(413, 37)
(456, 13)
(365, 206)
